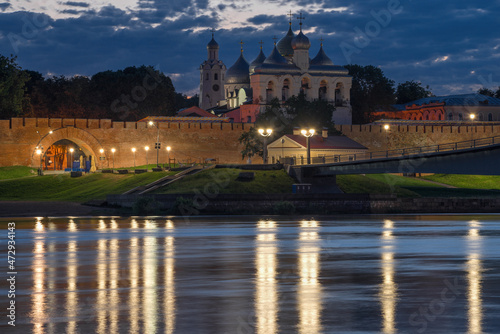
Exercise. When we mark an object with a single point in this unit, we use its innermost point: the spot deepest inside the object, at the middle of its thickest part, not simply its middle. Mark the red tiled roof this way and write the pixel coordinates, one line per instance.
(329, 143)
(195, 111)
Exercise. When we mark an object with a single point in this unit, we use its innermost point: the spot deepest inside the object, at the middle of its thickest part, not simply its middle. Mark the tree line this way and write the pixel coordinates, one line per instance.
(127, 95)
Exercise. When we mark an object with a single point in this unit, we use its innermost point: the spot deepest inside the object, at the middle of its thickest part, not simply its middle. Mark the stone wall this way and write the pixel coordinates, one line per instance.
(194, 141)
(376, 138)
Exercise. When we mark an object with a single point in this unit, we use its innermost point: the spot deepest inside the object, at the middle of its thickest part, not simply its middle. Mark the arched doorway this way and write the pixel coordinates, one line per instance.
(56, 148)
(65, 154)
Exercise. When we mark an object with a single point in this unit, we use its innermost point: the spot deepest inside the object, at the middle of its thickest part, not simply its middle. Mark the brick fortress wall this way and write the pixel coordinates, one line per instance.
(376, 138)
(195, 141)
(18, 138)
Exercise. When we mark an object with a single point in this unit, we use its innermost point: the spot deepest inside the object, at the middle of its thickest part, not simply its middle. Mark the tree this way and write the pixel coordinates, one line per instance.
(410, 91)
(12, 87)
(282, 118)
(371, 91)
(487, 92)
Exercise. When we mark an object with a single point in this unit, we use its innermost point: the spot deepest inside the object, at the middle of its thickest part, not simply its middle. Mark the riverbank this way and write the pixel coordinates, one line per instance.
(53, 209)
(191, 205)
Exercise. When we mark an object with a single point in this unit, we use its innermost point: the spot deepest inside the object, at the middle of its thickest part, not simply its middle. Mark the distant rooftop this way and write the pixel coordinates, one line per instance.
(454, 100)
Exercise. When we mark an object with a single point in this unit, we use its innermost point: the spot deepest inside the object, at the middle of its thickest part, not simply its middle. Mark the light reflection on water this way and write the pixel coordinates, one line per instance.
(138, 275)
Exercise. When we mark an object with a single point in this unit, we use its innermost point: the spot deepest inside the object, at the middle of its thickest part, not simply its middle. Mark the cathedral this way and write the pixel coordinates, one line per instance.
(244, 90)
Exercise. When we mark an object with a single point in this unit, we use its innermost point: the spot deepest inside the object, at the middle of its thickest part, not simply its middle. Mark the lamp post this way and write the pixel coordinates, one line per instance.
(386, 128)
(39, 152)
(147, 162)
(157, 144)
(133, 150)
(113, 151)
(472, 117)
(168, 155)
(101, 151)
(308, 134)
(71, 150)
(265, 134)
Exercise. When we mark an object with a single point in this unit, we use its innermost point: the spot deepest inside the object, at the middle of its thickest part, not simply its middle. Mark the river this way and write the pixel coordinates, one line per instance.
(243, 274)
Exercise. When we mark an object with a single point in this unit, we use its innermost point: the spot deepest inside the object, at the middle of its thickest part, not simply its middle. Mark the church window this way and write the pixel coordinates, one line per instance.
(322, 90)
(439, 117)
(270, 91)
(304, 86)
(285, 91)
(216, 77)
(207, 77)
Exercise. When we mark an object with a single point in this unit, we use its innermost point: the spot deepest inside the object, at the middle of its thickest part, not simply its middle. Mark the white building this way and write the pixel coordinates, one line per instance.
(287, 71)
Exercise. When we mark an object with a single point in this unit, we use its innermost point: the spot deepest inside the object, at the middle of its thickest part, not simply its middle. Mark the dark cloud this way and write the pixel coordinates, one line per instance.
(77, 4)
(448, 45)
(4, 6)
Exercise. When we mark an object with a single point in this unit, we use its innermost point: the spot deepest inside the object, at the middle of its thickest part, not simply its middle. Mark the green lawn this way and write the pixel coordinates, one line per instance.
(224, 181)
(80, 189)
(15, 172)
(467, 181)
(404, 187)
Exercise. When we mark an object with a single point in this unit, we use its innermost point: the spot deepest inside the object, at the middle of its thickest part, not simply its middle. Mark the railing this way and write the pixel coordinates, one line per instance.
(411, 151)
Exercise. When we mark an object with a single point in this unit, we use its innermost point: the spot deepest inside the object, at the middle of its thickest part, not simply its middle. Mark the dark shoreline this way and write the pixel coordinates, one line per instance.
(282, 204)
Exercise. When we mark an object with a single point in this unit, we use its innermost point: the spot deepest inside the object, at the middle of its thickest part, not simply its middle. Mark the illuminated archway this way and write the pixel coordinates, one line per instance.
(89, 144)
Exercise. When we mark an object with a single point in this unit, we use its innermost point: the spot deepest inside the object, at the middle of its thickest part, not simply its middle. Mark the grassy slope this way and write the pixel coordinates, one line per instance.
(276, 181)
(15, 172)
(65, 188)
(402, 186)
(467, 181)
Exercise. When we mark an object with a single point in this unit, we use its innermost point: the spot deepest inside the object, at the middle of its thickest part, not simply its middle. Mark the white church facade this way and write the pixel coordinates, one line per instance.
(287, 71)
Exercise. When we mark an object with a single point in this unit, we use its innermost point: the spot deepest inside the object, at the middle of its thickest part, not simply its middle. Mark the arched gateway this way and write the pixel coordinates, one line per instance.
(56, 147)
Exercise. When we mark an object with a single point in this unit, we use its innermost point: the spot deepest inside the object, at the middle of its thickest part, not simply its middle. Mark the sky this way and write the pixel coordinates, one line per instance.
(451, 45)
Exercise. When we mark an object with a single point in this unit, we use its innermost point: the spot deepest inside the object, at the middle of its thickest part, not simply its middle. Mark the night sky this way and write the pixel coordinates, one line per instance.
(451, 45)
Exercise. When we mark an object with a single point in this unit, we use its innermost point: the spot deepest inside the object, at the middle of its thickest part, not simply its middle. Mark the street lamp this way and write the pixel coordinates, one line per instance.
(386, 128)
(308, 135)
(113, 151)
(265, 134)
(472, 116)
(147, 162)
(168, 155)
(101, 151)
(71, 150)
(133, 150)
(157, 144)
(39, 152)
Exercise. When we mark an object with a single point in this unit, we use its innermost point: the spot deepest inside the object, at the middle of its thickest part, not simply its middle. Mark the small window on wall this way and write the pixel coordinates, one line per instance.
(216, 77)
(207, 77)
(460, 117)
(249, 119)
(490, 117)
(450, 117)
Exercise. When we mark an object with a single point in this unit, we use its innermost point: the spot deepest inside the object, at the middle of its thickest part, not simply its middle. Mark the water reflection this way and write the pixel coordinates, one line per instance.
(309, 289)
(388, 288)
(474, 278)
(169, 296)
(72, 274)
(266, 295)
(150, 302)
(38, 314)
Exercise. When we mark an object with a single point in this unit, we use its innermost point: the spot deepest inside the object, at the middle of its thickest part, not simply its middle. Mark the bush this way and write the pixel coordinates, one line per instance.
(283, 208)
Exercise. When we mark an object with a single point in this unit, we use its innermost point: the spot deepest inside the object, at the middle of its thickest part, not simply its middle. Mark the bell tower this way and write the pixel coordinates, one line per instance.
(212, 77)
